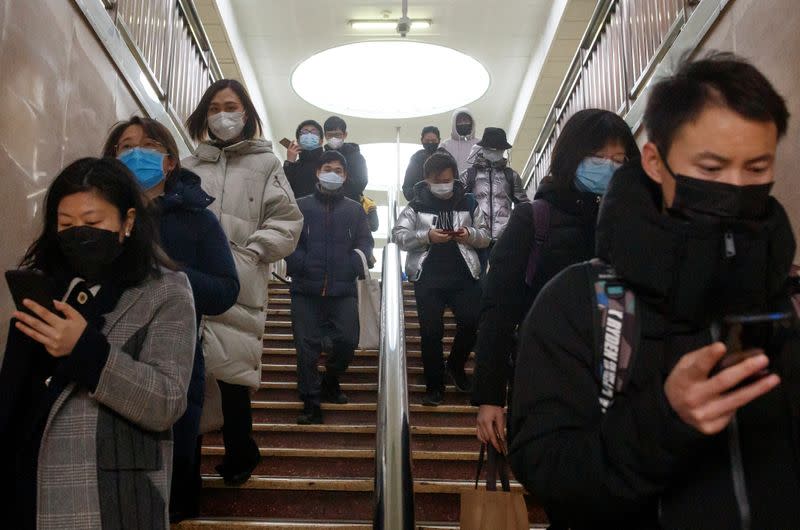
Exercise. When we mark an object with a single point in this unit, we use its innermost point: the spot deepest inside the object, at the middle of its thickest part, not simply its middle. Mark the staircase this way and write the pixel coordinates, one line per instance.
(321, 476)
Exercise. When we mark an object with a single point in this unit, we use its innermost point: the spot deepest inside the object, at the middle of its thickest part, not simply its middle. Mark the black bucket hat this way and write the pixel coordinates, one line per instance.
(494, 138)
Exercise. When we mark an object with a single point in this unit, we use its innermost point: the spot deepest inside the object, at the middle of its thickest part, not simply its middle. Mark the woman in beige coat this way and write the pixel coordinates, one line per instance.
(258, 213)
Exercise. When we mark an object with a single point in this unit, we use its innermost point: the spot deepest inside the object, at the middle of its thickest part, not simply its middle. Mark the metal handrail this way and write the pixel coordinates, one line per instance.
(394, 484)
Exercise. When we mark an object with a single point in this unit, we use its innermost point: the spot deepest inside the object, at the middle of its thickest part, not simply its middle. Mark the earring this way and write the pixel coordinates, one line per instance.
(127, 233)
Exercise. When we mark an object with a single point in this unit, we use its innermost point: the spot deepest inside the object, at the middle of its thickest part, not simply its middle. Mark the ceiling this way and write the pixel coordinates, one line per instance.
(509, 37)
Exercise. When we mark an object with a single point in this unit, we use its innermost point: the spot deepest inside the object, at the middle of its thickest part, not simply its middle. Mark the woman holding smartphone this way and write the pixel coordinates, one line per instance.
(260, 217)
(192, 236)
(88, 394)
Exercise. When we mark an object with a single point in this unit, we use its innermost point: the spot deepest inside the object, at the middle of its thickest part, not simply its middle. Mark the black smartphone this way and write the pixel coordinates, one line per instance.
(33, 285)
(285, 142)
(744, 333)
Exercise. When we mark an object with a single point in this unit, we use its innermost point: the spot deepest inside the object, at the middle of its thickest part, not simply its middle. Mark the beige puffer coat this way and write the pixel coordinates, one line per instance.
(259, 214)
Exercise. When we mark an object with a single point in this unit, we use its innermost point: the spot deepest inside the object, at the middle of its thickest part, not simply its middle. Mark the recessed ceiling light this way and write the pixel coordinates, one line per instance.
(390, 79)
(386, 25)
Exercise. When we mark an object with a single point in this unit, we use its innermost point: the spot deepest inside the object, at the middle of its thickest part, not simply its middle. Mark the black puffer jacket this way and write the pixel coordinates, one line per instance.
(639, 466)
(302, 173)
(357, 177)
(507, 298)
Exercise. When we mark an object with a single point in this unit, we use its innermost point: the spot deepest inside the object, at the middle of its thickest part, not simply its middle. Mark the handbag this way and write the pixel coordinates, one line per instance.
(369, 308)
(489, 509)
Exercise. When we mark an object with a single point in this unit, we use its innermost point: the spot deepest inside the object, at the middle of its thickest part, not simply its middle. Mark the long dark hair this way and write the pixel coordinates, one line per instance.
(585, 133)
(152, 129)
(141, 257)
(197, 122)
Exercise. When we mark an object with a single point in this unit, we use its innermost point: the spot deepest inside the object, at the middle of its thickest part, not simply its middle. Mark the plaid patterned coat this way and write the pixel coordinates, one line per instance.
(105, 458)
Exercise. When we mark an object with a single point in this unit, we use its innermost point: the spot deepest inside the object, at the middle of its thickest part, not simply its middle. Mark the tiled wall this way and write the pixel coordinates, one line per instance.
(766, 32)
(59, 95)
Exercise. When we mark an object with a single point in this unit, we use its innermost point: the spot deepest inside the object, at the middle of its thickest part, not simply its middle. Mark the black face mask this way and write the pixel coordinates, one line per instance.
(430, 147)
(89, 250)
(463, 129)
(709, 199)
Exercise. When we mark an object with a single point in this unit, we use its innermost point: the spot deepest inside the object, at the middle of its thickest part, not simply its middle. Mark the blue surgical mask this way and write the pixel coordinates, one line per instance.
(309, 141)
(594, 174)
(146, 164)
(331, 181)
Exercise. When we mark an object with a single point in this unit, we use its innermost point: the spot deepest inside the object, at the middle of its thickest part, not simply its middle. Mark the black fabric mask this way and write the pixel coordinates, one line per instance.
(430, 147)
(89, 250)
(463, 129)
(705, 198)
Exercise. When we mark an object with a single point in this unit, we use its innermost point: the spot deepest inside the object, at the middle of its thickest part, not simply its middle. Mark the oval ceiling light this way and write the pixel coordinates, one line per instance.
(390, 79)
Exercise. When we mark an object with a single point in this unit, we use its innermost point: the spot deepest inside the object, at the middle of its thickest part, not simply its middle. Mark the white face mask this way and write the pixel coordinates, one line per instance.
(226, 125)
(493, 155)
(331, 181)
(335, 143)
(442, 191)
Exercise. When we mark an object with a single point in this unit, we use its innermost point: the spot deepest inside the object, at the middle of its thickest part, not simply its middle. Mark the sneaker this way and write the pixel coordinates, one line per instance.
(460, 379)
(312, 415)
(433, 398)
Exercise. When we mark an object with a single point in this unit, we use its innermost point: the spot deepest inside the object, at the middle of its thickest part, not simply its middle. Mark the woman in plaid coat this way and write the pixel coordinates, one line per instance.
(89, 393)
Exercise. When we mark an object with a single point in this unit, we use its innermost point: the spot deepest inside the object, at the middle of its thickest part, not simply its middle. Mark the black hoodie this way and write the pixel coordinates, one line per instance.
(639, 466)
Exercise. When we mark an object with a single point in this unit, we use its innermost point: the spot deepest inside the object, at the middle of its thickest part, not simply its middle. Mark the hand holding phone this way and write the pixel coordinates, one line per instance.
(285, 142)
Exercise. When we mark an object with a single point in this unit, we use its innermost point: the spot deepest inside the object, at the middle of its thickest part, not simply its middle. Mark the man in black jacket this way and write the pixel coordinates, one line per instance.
(335, 136)
(695, 236)
(430, 140)
(324, 268)
(302, 158)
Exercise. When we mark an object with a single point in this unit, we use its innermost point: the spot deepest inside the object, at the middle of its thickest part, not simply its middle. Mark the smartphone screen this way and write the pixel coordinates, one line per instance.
(744, 333)
(30, 284)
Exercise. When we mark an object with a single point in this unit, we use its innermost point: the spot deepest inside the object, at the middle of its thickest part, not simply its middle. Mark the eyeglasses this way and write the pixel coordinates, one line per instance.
(147, 143)
(309, 131)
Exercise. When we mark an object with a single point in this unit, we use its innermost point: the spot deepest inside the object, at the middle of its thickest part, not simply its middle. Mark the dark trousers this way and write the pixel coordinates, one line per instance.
(332, 320)
(241, 451)
(464, 301)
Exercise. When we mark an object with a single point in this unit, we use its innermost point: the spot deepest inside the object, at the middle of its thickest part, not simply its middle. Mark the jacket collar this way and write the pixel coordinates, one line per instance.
(569, 200)
(311, 156)
(211, 152)
(423, 198)
(185, 192)
(328, 196)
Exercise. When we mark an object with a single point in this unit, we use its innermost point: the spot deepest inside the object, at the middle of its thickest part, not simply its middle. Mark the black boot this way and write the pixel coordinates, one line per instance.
(237, 474)
(433, 397)
(312, 415)
(460, 379)
(331, 392)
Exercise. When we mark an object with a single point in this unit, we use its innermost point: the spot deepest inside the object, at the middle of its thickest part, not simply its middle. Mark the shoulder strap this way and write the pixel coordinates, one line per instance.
(472, 203)
(616, 330)
(509, 173)
(472, 172)
(541, 232)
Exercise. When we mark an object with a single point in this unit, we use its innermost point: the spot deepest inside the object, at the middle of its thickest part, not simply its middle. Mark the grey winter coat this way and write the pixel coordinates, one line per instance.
(259, 214)
(418, 218)
(461, 146)
(495, 194)
(105, 457)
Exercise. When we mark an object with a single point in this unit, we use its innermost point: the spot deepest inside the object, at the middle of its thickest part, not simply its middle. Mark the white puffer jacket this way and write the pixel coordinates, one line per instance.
(259, 214)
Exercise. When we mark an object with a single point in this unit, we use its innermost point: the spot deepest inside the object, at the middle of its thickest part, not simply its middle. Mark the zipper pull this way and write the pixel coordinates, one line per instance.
(730, 245)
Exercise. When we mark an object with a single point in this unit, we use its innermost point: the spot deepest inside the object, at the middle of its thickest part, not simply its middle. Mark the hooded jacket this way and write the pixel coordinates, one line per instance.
(461, 146)
(420, 216)
(325, 262)
(639, 466)
(491, 186)
(259, 215)
(507, 297)
(357, 177)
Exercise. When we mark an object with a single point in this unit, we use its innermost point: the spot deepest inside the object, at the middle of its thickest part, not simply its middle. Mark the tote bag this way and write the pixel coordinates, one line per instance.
(369, 308)
(489, 509)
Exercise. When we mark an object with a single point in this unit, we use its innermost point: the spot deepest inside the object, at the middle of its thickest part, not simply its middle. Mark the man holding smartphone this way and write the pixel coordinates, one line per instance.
(692, 232)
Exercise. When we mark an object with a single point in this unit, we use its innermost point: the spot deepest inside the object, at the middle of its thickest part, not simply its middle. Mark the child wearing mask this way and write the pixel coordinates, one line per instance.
(324, 268)
(441, 228)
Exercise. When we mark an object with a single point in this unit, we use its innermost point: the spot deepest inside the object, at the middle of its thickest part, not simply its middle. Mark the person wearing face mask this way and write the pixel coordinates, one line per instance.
(462, 138)
(302, 157)
(259, 215)
(496, 186)
(335, 140)
(693, 236)
(191, 236)
(430, 140)
(324, 268)
(89, 393)
(543, 238)
(441, 228)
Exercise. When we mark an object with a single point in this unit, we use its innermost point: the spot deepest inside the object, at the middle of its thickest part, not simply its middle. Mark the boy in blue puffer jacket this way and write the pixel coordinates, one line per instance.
(324, 268)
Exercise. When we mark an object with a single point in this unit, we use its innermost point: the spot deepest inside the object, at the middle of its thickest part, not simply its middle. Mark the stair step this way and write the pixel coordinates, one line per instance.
(285, 312)
(289, 338)
(286, 326)
(259, 482)
(365, 413)
(356, 392)
(255, 524)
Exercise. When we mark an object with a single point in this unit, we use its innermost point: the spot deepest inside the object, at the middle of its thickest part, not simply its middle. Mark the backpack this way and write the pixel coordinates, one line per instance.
(472, 172)
(616, 330)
